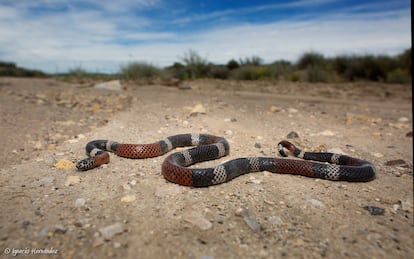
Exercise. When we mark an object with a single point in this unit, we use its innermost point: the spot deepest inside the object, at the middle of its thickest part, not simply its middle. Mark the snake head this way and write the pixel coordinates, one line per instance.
(285, 147)
(85, 164)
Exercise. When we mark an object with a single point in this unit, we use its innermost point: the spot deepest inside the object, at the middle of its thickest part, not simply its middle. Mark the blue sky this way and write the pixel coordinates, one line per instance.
(102, 35)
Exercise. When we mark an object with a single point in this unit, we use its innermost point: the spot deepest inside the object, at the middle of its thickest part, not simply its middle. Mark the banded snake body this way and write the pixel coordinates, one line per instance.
(175, 167)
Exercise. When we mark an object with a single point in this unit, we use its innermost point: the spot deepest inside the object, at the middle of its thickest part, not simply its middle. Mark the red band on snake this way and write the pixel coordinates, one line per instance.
(175, 168)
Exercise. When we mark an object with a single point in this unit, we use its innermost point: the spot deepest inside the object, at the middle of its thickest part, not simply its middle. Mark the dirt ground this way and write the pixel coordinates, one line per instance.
(126, 209)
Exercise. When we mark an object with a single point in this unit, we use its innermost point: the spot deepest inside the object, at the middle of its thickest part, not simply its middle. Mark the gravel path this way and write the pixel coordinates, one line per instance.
(125, 209)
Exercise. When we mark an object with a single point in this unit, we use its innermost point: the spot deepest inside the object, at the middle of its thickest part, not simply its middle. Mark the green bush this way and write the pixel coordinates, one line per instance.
(139, 70)
(280, 69)
(177, 70)
(404, 61)
(232, 64)
(243, 73)
(373, 68)
(251, 61)
(316, 74)
(250, 73)
(398, 76)
(4, 64)
(262, 72)
(295, 76)
(196, 66)
(311, 59)
(219, 72)
(11, 69)
(77, 72)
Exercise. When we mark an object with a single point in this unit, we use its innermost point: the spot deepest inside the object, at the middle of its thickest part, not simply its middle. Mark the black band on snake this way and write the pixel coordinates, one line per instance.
(329, 166)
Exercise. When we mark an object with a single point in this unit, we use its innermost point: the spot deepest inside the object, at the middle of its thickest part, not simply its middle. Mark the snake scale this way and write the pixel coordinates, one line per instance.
(175, 167)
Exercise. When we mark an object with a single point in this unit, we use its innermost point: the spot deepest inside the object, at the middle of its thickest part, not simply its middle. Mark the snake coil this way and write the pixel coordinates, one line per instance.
(175, 168)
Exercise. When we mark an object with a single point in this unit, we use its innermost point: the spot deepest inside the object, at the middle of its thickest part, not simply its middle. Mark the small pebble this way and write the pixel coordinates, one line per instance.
(292, 135)
(275, 220)
(47, 179)
(292, 110)
(378, 155)
(315, 202)
(98, 241)
(373, 210)
(197, 219)
(336, 151)
(49, 160)
(64, 164)
(257, 145)
(377, 134)
(327, 133)
(37, 145)
(395, 208)
(274, 109)
(80, 136)
(42, 233)
(407, 205)
(126, 187)
(60, 229)
(403, 119)
(250, 221)
(128, 198)
(253, 180)
(230, 119)
(72, 180)
(80, 202)
(109, 231)
(74, 140)
(25, 223)
(197, 109)
(397, 162)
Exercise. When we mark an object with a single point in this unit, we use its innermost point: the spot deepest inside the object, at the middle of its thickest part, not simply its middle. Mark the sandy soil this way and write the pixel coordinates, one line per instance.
(125, 209)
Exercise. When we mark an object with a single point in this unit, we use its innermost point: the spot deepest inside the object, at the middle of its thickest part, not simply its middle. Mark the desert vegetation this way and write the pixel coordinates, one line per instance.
(310, 67)
(11, 69)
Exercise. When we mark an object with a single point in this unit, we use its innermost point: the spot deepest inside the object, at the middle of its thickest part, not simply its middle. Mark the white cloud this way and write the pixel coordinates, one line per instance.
(97, 41)
(149, 36)
(289, 39)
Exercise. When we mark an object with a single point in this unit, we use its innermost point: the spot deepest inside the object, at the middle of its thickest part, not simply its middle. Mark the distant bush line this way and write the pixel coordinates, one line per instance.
(10, 69)
(310, 67)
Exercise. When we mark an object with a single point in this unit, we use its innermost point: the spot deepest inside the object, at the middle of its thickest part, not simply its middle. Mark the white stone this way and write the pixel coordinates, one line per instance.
(197, 219)
(109, 85)
(314, 202)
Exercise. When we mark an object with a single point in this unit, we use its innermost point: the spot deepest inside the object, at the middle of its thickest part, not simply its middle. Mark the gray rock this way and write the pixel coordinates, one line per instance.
(292, 134)
(109, 231)
(250, 221)
(373, 210)
(197, 219)
(314, 202)
(80, 202)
